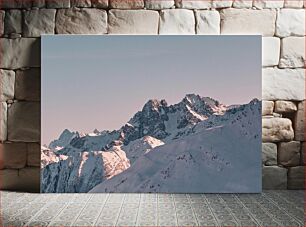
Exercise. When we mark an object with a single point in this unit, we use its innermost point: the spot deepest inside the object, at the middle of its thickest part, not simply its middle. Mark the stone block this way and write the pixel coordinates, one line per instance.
(9, 179)
(80, 3)
(33, 158)
(285, 106)
(126, 4)
(290, 22)
(13, 155)
(277, 129)
(192, 4)
(293, 3)
(242, 4)
(3, 121)
(303, 157)
(296, 176)
(270, 51)
(283, 84)
(133, 22)
(27, 86)
(274, 177)
(15, 4)
(2, 15)
(39, 3)
(289, 153)
(293, 52)
(24, 122)
(221, 3)
(7, 81)
(30, 179)
(269, 154)
(56, 4)
(263, 4)
(276, 115)
(81, 21)
(38, 22)
(267, 107)
(248, 21)
(159, 4)
(20, 53)
(207, 22)
(178, 21)
(299, 122)
(99, 3)
(13, 21)
(26, 179)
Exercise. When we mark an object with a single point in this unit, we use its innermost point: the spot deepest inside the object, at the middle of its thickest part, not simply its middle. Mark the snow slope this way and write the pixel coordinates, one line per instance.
(81, 171)
(48, 156)
(78, 173)
(114, 162)
(138, 147)
(164, 122)
(222, 158)
(78, 162)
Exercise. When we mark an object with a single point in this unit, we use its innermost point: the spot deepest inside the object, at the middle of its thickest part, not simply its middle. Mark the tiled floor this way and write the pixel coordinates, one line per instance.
(271, 208)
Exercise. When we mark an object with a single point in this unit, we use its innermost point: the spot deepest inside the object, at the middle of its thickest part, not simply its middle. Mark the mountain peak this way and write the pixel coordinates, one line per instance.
(65, 133)
(64, 139)
(192, 98)
(254, 101)
(96, 131)
(154, 104)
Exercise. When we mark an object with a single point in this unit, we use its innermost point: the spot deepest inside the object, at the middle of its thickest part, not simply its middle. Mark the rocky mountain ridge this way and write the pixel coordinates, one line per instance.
(219, 157)
(157, 124)
(156, 119)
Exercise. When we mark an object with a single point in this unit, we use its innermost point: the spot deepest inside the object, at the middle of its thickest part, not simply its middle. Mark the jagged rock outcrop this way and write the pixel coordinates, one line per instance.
(78, 173)
(79, 162)
(207, 160)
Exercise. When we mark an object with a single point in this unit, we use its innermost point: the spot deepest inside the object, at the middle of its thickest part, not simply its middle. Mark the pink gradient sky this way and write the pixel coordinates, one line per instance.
(100, 82)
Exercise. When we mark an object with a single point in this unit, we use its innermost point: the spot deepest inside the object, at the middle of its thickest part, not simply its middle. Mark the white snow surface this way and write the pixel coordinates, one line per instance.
(114, 162)
(48, 157)
(223, 158)
(78, 173)
(197, 145)
(138, 147)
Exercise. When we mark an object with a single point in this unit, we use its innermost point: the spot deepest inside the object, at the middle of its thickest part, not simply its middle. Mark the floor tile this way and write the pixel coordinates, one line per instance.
(271, 208)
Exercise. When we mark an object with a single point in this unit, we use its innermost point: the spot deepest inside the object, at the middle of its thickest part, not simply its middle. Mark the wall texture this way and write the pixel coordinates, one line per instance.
(280, 22)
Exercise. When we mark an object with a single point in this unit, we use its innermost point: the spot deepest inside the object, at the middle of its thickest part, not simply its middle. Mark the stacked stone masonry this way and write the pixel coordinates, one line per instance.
(280, 22)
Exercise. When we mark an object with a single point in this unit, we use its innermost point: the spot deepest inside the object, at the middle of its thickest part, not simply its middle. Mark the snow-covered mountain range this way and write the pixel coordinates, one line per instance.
(196, 145)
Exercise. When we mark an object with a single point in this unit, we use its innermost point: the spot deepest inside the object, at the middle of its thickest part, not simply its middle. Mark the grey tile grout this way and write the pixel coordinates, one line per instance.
(230, 210)
(81, 210)
(250, 213)
(60, 211)
(259, 205)
(97, 219)
(37, 213)
(137, 210)
(213, 214)
(156, 209)
(270, 199)
(268, 213)
(174, 203)
(194, 215)
(119, 212)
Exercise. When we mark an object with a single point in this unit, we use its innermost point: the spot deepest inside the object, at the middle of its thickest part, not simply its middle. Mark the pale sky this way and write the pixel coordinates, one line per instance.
(100, 82)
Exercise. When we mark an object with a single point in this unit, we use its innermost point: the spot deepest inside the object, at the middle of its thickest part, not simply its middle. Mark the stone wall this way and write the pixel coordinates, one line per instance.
(281, 22)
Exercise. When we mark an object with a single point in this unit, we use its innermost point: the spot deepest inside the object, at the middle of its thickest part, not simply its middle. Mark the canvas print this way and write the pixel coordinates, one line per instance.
(165, 114)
